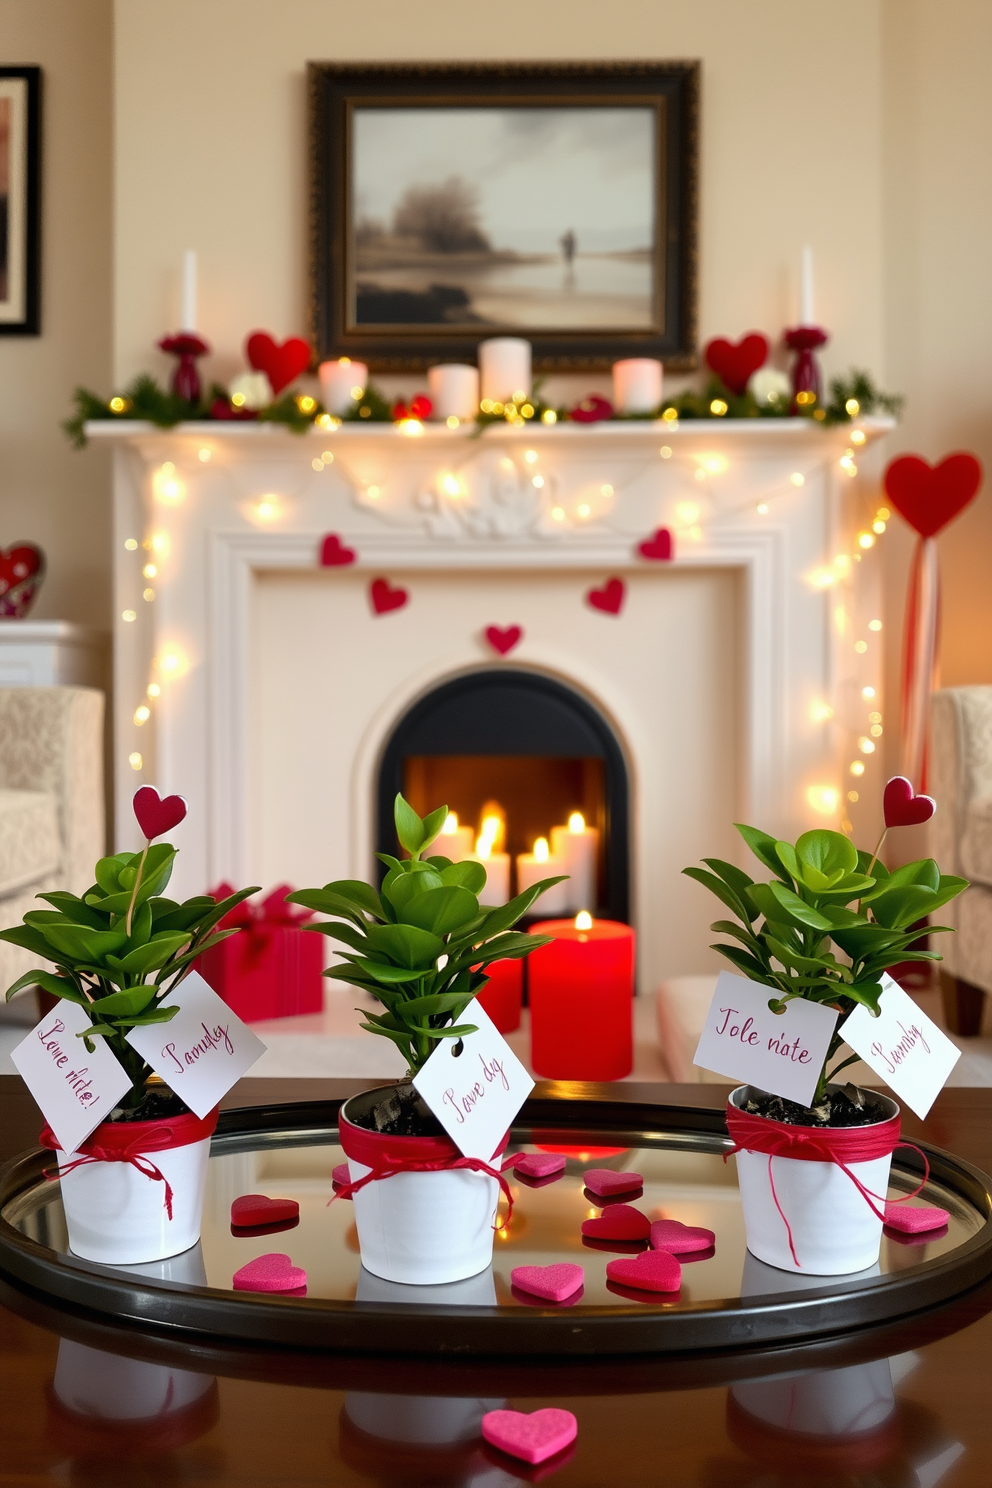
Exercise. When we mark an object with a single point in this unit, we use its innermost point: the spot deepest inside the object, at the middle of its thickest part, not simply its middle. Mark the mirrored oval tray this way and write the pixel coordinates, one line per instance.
(727, 1298)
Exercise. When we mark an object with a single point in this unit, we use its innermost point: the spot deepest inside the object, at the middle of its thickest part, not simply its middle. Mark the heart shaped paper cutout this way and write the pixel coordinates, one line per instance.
(735, 361)
(156, 815)
(928, 496)
(618, 1222)
(334, 554)
(532, 1438)
(257, 1209)
(658, 547)
(384, 598)
(609, 599)
(916, 1219)
(680, 1239)
(652, 1271)
(901, 808)
(553, 1282)
(270, 1273)
(280, 363)
(22, 568)
(605, 1181)
(503, 640)
(539, 1164)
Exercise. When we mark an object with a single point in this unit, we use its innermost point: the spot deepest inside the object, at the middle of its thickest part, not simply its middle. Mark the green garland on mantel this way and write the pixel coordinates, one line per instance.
(851, 396)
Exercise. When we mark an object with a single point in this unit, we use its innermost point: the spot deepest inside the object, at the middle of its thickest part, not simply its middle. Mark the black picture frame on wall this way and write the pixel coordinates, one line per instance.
(454, 202)
(20, 203)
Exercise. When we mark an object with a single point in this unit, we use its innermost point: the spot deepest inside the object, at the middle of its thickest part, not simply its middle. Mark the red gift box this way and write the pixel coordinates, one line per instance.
(502, 996)
(271, 969)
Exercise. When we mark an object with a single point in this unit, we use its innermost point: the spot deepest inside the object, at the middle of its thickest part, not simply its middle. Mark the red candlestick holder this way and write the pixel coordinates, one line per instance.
(581, 990)
(186, 378)
(804, 340)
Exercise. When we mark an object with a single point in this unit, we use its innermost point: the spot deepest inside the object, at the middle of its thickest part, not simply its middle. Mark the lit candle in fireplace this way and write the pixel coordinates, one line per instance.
(541, 863)
(576, 847)
(497, 866)
(453, 841)
(581, 990)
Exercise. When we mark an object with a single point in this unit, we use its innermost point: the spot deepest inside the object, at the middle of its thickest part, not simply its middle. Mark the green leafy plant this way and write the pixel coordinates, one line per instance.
(121, 949)
(827, 924)
(420, 943)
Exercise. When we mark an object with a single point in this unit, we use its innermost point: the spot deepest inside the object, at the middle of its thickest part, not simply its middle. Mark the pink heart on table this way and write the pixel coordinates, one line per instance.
(532, 1438)
(618, 1222)
(539, 1164)
(605, 1181)
(553, 1282)
(610, 598)
(915, 1220)
(256, 1209)
(156, 815)
(384, 598)
(652, 1271)
(503, 640)
(680, 1239)
(270, 1273)
(659, 546)
(902, 808)
(334, 554)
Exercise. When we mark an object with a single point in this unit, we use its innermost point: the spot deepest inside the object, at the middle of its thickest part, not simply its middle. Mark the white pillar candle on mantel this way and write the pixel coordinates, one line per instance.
(504, 368)
(497, 866)
(637, 384)
(806, 311)
(187, 317)
(532, 867)
(342, 383)
(453, 841)
(577, 847)
(454, 391)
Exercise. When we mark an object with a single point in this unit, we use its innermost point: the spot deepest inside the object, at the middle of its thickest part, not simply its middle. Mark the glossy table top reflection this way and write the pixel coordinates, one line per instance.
(83, 1403)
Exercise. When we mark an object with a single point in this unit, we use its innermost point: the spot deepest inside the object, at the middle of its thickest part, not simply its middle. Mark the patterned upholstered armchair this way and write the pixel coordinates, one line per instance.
(51, 808)
(961, 841)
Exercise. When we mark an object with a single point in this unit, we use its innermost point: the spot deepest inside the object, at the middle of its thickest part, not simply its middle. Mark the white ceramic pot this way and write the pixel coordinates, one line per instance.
(107, 1388)
(834, 1229)
(420, 1228)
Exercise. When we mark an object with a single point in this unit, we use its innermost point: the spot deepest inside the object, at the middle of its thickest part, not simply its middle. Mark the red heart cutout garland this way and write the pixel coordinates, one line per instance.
(270, 1273)
(156, 815)
(928, 496)
(256, 1209)
(734, 362)
(503, 640)
(385, 598)
(532, 1438)
(22, 568)
(280, 363)
(659, 547)
(334, 554)
(609, 598)
(902, 808)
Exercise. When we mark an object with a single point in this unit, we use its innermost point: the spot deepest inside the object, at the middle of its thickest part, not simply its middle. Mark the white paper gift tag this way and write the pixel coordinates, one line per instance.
(902, 1045)
(75, 1089)
(475, 1094)
(203, 1051)
(779, 1052)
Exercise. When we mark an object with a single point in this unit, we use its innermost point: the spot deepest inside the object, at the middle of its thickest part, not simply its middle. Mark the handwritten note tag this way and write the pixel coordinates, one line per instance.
(902, 1045)
(76, 1090)
(779, 1052)
(475, 1094)
(203, 1051)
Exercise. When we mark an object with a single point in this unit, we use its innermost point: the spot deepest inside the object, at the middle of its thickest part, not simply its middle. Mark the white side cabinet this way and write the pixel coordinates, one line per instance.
(51, 653)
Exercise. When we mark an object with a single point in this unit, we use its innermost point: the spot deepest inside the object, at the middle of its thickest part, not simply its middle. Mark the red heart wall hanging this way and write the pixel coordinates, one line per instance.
(928, 496)
(610, 598)
(901, 808)
(659, 546)
(334, 554)
(279, 363)
(22, 568)
(734, 362)
(503, 640)
(156, 815)
(384, 598)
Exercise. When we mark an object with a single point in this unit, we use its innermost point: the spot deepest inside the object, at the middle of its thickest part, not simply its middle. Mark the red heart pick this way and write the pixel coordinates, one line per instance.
(901, 808)
(928, 496)
(384, 598)
(610, 598)
(606, 1181)
(539, 1164)
(270, 1273)
(553, 1282)
(333, 553)
(733, 362)
(256, 1209)
(532, 1438)
(156, 815)
(503, 640)
(22, 568)
(651, 1271)
(659, 546)
(680, 1239)
(279, 363)
(618, 1222)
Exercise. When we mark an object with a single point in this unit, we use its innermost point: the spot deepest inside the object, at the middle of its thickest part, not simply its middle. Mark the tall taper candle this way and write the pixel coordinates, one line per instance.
(806, 313)
(187, 319)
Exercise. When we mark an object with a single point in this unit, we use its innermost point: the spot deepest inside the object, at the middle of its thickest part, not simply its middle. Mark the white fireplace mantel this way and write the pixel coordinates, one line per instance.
(219, 510)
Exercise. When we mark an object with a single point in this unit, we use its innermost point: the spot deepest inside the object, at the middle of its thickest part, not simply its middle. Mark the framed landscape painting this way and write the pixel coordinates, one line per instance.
(20, 89)
(553, 202)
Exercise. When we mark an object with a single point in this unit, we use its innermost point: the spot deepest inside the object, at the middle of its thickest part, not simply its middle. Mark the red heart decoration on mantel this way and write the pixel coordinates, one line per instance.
(22, 568)
(334, 554)
(385, 598)
(734, 362)
(901, 808)
(503, 640)
(156, 815)
(279, 363)
(257, 1209)
(659, 546)
(610, 598)
(928, 496)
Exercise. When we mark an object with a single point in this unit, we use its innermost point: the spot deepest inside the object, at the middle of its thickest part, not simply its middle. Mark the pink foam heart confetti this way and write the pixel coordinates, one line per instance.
(270, 1273)
(539, 1164)
(257, 1209)
(680, 1239)
(532, 1438)
(652, 1271)
(618, 1222)
(915, 1219)
(606, 1182)
(155, 815)
(553, 1282)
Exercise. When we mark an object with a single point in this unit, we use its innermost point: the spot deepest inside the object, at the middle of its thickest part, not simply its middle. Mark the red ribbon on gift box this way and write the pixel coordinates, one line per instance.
(262, 920)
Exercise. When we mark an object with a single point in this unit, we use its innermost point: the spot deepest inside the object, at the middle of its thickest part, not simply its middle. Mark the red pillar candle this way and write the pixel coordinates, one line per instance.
(502, 996)
(581, 989)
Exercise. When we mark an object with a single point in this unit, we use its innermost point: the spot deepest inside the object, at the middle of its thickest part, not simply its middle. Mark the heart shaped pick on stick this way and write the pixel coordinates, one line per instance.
(503, 640)
(384, 598)
(334, 554)
(609, 598)
(280, 363)
(902, 808)
(256, 1209)
(618, 1222)
(606, 1182)
(652, 1271)
(680, 1239)
(270, 1273)
(658, 547)
(532, 1438)
(553, 1282)
(733, 362)
(539, 1164)
(156, 815)
(928, 496)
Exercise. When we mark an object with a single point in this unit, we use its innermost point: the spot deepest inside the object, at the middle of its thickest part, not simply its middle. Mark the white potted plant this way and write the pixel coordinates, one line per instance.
(420, 945)
(825, 927)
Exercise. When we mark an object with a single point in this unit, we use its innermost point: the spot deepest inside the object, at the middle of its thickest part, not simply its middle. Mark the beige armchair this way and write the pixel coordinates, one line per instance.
(51, 809)
(961, 841)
